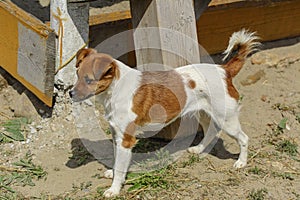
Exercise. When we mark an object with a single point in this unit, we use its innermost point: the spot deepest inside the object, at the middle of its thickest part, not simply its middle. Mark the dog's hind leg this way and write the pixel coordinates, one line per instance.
(233, 128)
(210, 133)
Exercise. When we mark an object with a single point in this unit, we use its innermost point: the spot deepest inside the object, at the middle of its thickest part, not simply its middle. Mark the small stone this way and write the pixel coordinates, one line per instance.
(263, 98)
(23, 107)
(277, 165)
(79, 125)
(32, 130)
(88, 102)
(264, 58)
(53, 128)
(69, 118)
(251, 79)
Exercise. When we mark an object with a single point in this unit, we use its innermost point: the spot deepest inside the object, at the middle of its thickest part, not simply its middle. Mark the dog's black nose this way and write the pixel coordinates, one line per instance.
(71, 93)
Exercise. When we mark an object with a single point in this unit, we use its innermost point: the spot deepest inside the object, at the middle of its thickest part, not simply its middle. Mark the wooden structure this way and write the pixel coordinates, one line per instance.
(27, 49)
(272, 19)
(32, 52)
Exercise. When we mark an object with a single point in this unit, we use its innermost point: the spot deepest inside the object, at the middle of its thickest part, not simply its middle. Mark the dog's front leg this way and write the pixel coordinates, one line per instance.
(122, 161)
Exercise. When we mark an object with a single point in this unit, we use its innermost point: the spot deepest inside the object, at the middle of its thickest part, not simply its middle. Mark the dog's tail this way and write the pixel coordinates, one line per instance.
(242, 43)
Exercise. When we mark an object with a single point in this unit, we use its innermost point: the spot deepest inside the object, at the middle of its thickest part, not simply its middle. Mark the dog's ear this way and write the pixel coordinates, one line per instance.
(82, 53)
(105, 66)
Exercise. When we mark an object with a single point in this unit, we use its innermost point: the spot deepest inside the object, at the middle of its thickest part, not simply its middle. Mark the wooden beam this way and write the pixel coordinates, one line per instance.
(27, 50)
(271, 20)
(102, 18)
(165, 37)
(174, 35)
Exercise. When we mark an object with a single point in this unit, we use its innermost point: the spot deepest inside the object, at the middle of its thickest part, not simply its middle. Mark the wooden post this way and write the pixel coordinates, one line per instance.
(70, 20)
(165, 37)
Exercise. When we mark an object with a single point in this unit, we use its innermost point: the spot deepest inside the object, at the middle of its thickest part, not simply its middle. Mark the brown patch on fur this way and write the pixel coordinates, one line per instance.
(192, 84)
(82, 53)
(129, 139)
(160, 97)
(230, 87)
(232, 68)
(106, 73)
(235, 64)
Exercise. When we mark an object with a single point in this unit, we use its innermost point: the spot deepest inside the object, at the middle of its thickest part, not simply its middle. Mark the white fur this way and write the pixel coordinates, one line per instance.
(240, 38)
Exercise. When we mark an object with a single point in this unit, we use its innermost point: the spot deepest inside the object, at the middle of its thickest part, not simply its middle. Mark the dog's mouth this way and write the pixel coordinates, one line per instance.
(76, 98)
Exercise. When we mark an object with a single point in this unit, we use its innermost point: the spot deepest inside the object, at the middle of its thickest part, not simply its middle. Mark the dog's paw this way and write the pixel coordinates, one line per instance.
(239, 164)
(111, 192)
(109, 174)
(196, 149)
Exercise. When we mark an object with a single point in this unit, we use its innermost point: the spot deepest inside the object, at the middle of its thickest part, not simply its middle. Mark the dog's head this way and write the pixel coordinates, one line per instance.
(95, 73)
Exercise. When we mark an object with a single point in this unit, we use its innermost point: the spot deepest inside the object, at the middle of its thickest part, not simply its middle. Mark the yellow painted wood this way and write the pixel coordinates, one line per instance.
(25, 18)
(10, 18)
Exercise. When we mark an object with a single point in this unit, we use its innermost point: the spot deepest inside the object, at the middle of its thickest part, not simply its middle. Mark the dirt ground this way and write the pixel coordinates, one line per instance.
(269, 85)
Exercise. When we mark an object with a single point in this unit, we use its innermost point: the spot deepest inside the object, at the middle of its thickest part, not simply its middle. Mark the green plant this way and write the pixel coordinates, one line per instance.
(154, 179)
(107, 131)
(191, 160)
(256, 170)
(287, 147)
(161, 159)
(257, 194)
(280, 127)
(282, 107)
(23, 173)
(284, 175)
(13, 130)
(29, 167)
(241, 98)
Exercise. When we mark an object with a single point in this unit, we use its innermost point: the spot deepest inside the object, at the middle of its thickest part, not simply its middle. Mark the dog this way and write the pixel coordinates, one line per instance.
(136, 101)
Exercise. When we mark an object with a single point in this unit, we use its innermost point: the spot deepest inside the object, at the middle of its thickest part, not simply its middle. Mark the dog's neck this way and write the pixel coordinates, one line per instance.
(121, 89)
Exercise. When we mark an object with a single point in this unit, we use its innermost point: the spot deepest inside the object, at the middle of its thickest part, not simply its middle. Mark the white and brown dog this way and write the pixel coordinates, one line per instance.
(136, 100)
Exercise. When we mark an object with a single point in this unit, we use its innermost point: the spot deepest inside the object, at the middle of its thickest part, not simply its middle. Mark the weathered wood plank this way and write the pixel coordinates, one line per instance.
(174, 42)
(272, 21)
(109, 17)
(25, 47)
(165, 37)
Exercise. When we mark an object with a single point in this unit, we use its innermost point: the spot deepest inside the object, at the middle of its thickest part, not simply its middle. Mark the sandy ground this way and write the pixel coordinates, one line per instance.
(270, 88)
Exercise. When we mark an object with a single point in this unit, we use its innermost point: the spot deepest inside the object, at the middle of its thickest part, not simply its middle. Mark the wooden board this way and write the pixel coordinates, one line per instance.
(272, 19)
(165, 37)
(109, 17)
(27, 50)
